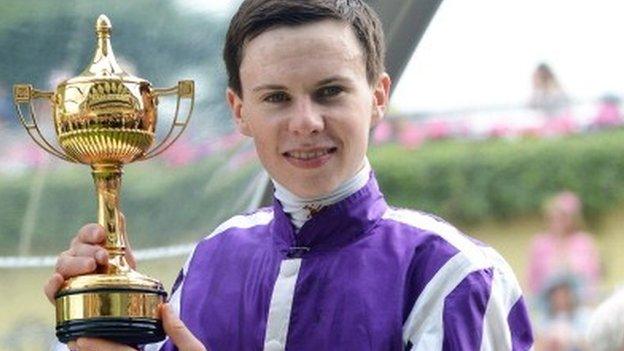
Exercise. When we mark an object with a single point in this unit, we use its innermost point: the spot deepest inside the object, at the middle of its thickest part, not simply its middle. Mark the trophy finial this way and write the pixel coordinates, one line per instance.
(103, 25)
(104, 62)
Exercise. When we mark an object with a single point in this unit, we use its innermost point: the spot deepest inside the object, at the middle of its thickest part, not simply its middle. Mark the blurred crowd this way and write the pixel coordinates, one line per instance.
(549, 112)
(563, 283)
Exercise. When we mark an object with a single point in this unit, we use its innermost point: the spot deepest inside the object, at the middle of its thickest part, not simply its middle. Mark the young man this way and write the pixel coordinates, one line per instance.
(330, 266)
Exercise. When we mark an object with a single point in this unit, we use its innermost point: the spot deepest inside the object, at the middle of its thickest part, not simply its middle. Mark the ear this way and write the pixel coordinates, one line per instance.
(381, 97)
(236, 107)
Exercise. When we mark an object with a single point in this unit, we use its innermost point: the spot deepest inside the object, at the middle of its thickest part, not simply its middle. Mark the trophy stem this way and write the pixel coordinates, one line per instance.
(107, 180)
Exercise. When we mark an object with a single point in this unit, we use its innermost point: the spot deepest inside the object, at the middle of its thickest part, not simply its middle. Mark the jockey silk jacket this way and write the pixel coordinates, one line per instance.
(359, 275)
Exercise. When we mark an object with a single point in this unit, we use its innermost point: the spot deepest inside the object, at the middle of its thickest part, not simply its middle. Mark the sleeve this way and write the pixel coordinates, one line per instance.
(506, 324)
(470, 305)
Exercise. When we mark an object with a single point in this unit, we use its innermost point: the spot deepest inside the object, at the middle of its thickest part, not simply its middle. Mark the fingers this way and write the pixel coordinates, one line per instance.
(178, 333)
(90, 234)
(90, 344)
(85, 253)
(68, 265)
(52, 286)
(87, 250)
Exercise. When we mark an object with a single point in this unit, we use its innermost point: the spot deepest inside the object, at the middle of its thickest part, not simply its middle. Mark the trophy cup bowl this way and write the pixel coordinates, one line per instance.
(106, 118)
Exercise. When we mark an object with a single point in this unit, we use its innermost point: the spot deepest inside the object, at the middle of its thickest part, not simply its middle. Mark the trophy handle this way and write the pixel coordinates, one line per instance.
(184, 90)
(25, 94)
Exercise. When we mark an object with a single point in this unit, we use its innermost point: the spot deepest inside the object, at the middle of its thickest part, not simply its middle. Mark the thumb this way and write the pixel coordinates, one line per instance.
(178, 332)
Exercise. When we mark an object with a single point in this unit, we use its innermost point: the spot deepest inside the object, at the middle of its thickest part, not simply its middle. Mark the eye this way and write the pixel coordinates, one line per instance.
(329, 92)
(276, 97)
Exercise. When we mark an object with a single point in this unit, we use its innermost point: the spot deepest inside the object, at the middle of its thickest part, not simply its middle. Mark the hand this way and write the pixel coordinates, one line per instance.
(174, 327)
(85, 254)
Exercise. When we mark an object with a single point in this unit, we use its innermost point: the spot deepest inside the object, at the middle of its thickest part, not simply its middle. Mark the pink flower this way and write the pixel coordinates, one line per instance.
(382, 133)
(608, 115)
(411, 136)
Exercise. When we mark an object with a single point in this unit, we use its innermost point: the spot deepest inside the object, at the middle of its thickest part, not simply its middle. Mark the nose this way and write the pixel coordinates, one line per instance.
(306, 119)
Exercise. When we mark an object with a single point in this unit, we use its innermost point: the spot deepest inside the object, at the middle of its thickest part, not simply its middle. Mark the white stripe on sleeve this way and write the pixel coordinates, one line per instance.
(424, 326)
(505, 292)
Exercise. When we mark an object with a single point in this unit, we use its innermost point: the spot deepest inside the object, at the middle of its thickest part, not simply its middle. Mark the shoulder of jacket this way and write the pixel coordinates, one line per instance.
(471, 249)
(262, 216)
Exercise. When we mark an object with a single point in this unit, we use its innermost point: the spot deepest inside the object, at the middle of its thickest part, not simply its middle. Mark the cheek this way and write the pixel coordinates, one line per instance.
(266, 139)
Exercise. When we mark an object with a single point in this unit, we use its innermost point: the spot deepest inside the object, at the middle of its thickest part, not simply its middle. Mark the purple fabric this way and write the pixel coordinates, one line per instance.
(519, 326)
(359, 278)
(464, 309)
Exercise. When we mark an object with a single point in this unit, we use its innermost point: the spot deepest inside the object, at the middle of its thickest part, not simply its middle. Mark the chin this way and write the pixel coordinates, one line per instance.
(313, 188)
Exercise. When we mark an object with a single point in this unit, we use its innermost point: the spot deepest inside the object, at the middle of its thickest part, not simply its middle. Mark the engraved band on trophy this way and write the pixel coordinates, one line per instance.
(106, 118)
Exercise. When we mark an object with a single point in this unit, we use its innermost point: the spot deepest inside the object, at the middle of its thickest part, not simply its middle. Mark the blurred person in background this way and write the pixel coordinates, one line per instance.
(606, 327)
(609, 114)
(547, 96)
(564, 249)
(561, 321)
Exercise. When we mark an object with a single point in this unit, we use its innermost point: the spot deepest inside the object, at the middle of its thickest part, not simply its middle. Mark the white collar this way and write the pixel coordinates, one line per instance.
(300, 209)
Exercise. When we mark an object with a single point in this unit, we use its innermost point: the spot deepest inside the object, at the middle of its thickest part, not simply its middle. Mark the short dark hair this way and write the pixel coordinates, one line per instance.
(257, 16)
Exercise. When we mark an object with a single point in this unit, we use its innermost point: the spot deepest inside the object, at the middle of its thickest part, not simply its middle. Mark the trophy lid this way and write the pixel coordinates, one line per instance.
(104, 64)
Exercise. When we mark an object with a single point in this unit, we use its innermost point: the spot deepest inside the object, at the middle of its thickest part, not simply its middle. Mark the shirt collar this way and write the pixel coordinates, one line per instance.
(334, 226)
(300, 210)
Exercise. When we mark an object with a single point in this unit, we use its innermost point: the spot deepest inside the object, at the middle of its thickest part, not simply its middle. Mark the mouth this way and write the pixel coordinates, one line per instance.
(309, 158)
(310, 154)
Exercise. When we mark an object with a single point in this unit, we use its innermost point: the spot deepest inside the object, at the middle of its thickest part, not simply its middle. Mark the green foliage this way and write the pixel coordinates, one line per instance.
(464, 181)
(473, 181)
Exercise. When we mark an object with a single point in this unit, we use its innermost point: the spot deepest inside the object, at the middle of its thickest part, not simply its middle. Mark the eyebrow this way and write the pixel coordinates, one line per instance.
(269, 87)
(332, 79)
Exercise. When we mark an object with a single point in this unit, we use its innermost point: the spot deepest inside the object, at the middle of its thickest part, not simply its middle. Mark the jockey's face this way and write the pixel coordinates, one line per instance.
(308, 105)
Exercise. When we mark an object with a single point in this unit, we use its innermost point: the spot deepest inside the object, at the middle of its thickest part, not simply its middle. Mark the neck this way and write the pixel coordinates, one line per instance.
(301, 209)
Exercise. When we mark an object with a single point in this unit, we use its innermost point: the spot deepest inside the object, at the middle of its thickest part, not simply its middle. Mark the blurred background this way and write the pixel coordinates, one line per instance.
(506, 121)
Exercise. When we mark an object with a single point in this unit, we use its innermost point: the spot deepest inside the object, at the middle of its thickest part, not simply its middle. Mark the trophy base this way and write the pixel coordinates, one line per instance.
(124, 308)
(129, 331)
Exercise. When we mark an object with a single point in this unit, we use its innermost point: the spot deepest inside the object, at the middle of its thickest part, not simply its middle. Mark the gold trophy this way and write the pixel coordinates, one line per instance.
(106, 118)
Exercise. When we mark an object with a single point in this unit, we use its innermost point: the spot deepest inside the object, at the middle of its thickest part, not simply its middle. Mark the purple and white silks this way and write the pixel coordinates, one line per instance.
(359, 275)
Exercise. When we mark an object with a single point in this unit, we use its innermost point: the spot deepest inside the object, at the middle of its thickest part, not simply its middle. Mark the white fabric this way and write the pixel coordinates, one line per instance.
(243, 222)
(504, 294)
(300, 209)
(281, 304)
(606, 326)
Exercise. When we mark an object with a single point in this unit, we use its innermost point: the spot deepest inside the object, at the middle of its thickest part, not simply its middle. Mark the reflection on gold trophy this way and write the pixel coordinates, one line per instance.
(106, 118)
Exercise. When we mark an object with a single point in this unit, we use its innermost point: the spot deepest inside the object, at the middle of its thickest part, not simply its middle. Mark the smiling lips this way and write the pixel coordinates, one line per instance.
(310, 158)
